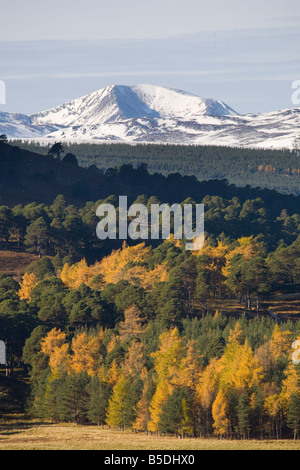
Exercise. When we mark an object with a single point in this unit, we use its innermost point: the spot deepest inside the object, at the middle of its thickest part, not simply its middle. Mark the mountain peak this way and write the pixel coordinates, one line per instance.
(122, 102)
(153, 114)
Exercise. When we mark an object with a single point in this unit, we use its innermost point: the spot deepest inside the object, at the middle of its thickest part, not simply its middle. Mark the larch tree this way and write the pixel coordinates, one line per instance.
(29, 281)
(86, 353)
(167, 359)
(238, 368)
(132, 324)
(220, 414)
(55, 346)
(116, 415)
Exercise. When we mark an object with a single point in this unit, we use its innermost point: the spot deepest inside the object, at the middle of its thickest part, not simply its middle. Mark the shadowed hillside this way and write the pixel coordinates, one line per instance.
(26, 176)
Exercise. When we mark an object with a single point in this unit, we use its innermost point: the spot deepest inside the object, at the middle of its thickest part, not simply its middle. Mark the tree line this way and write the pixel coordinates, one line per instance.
(67, 230)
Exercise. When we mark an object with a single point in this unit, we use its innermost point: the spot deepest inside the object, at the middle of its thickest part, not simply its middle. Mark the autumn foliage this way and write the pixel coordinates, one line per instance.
(175, 388)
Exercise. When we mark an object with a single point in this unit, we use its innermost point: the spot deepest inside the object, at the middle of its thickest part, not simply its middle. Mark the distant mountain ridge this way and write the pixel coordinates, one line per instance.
(118, 103)
(153, 114)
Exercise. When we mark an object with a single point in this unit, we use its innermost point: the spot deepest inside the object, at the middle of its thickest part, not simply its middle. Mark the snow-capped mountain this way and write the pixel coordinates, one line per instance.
(148, 113)
(119, 103)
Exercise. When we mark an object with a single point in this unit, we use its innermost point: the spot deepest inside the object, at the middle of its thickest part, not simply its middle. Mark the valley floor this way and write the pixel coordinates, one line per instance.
(32, 436)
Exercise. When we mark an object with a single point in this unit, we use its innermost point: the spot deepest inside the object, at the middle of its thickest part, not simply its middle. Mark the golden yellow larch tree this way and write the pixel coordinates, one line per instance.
(29, 281)
(220, 414)
(155, 408)
(204, 250)
(289, 384)
(86, 353)
(143, 413)
(112, 343)
(132, 324)
(55, 338)
(134, 359)
(207, 386)
(168, 355)
(116, 406)
(76, 274)
(115, 267)
(236, 334)
(59, 360)
(112, 374)
(147, 278)
(189, 370)
(55, 346)
(238, 368)
(112, 267)
(281, 342)
(218, 254)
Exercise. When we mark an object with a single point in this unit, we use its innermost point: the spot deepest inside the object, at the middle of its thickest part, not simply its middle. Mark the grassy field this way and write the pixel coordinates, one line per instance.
(32, 436)
(18, 432)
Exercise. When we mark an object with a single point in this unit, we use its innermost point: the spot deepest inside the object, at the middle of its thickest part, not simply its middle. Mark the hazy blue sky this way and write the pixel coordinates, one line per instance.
(245, 53)
(98, 19)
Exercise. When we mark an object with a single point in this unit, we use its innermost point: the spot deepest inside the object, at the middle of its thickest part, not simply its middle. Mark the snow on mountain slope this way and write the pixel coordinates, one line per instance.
(116, 103)
(148, 113)
(19, 126)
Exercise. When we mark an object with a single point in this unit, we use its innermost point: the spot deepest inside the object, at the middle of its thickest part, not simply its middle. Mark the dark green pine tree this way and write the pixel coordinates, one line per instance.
(72, 398)
(134, 394)
(293, 415)
(37, 237)
(176, 415)
(41, 268)
(243, 416)
(56, 150)
(257, 417)
(99, 394)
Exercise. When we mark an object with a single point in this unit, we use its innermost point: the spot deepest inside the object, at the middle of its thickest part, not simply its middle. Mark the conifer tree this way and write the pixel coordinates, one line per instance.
(243, 416)
(99, 394)
(220, 414)
(167, 359)
(293, 412)
(175, 417)
(116, 415)
(29, 281)
(142, 408)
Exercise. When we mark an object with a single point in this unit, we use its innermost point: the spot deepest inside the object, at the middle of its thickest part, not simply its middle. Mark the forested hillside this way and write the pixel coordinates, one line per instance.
(273, 169)
(135, 340)
(150, 336)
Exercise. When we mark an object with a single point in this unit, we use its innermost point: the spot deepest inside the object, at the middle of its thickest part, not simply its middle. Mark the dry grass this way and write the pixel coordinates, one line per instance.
(286, 307)
(14, 263)
(26, 436)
